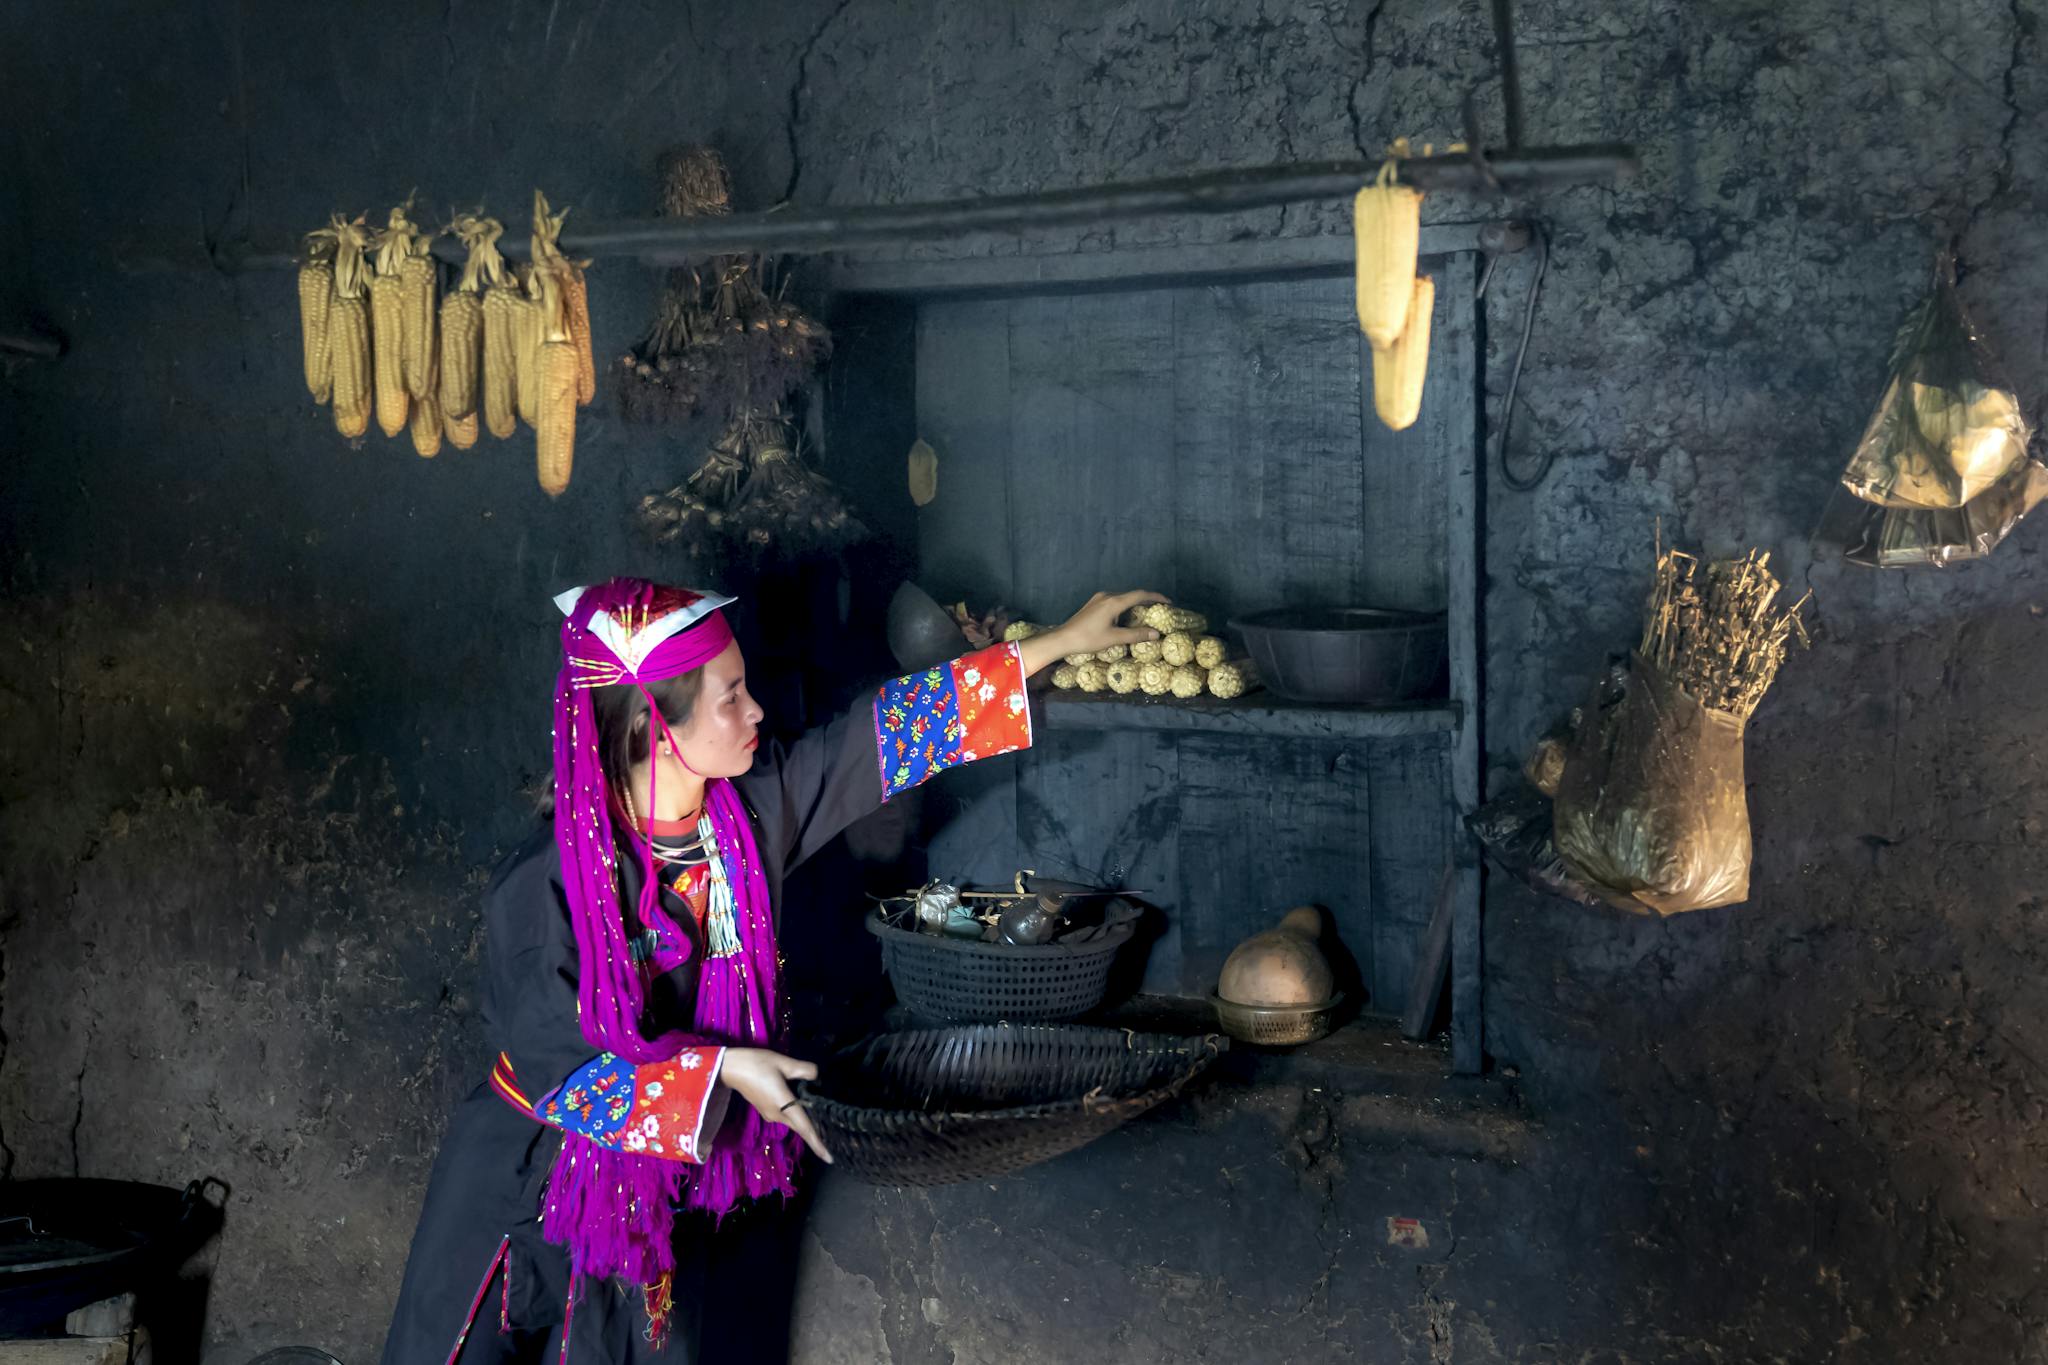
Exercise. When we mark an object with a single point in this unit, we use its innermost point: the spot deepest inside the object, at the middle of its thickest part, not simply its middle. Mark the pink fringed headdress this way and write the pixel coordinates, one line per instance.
(615, 1210)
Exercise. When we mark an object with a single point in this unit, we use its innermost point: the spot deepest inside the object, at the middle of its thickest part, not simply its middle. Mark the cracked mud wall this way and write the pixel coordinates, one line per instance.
(269, 703)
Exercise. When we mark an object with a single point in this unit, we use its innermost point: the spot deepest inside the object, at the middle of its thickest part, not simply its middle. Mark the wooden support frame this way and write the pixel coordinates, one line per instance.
(1465, 454)
(1454, 251)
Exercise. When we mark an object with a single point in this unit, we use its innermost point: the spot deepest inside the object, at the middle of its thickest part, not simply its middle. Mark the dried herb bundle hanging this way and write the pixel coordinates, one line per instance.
(753, 493)
(725, 338)
(695, 512)
(786, 502)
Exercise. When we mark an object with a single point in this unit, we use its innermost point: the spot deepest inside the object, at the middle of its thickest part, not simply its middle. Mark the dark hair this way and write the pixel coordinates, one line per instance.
(622, 722)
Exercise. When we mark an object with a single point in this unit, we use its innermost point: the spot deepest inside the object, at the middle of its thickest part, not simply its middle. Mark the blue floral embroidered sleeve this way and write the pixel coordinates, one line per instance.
(973, 707)
(663, 1109)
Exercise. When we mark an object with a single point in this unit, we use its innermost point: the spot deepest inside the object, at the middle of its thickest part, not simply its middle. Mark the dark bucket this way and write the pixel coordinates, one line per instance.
(1360, 655)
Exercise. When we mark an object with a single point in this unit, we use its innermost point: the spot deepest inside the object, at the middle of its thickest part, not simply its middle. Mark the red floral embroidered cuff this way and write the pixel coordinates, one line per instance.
(663, 1109)
(927, 722)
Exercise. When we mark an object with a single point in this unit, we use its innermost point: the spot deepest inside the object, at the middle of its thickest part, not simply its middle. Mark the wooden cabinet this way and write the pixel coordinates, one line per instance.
(1200, 423)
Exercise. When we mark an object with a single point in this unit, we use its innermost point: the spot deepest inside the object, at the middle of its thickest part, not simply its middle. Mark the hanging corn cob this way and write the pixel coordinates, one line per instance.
(504, 304)
(387, 323)
(425, 421)
(1386, 225)
(555, 397)
(1398, 370)
(462, 321)
(348, 332)
(527, 326)
(418, 283)
(316, 291)
(547, 256)
(579, 331)
(461, 431)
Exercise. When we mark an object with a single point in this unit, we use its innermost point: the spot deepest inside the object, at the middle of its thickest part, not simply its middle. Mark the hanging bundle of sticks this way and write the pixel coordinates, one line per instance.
(1718, 629)
(725, 336)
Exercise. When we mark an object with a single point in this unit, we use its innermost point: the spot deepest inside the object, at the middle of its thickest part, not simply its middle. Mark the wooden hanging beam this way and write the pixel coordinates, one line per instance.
(811, 231)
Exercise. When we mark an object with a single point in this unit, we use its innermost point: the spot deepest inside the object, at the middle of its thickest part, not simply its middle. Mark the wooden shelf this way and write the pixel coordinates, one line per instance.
(1258, 714)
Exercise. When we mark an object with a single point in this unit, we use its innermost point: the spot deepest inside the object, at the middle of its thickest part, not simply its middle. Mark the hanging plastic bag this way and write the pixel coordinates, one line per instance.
(1651, 810)
(1651, 805)
(1515, 831)
(1890, 537)
(1948, 428)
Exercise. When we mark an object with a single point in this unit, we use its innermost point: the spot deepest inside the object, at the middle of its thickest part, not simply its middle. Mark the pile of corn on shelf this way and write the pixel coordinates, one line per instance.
(1184, 663)
(508, 344)
(1394, 303)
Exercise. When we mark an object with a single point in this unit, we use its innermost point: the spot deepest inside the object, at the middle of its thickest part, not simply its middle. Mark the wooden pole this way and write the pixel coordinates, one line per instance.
(802, 232)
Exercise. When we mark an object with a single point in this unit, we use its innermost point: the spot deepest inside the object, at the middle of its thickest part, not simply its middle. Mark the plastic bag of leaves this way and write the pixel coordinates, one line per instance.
(1515, 831)
(1948, 427)
(1651, 810)
(1897, 537)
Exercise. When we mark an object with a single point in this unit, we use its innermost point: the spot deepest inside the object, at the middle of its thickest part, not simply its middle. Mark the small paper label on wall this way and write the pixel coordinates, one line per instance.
(1407, 1232)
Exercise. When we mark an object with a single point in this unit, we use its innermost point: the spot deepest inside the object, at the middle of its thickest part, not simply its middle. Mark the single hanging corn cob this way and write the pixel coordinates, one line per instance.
(579, 332)
(387, 366)
(387, 324)
(462, 353)
(425, 422)
(462, 319)
(1398, 370)
(348, 333)
(547, 256)
(504, 324)
(555, 399)
(527, 327)
(502, 306)
(419, 282)
(1386, 226)
(316, 291)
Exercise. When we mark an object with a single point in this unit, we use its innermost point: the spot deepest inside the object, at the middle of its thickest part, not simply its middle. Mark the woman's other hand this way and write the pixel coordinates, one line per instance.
(762, 1078)
(1091, 628)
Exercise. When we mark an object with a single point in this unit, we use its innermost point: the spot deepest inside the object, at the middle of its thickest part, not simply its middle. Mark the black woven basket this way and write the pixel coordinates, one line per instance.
(936, 1106)
(956, 980)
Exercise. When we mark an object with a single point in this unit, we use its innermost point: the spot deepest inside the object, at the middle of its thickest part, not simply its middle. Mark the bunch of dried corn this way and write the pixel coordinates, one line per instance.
(316, 292)
(1386, 220)
(348, 332)
(1183, 663)
(387, 321)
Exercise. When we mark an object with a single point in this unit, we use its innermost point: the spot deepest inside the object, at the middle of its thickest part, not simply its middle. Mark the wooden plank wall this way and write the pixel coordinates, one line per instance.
(1216, 442)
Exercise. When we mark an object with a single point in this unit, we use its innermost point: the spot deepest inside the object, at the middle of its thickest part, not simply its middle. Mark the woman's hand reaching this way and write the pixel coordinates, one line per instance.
(1091, 628)
(762, 1078)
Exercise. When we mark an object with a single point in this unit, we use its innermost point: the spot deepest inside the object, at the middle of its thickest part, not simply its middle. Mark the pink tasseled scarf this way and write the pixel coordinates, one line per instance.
(614, 1210)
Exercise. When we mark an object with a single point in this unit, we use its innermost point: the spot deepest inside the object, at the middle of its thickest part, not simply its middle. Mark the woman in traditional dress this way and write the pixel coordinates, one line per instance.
(631, 974)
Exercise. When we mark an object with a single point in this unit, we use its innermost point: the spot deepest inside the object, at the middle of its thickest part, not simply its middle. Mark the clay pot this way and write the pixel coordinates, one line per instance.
(1282, 966)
